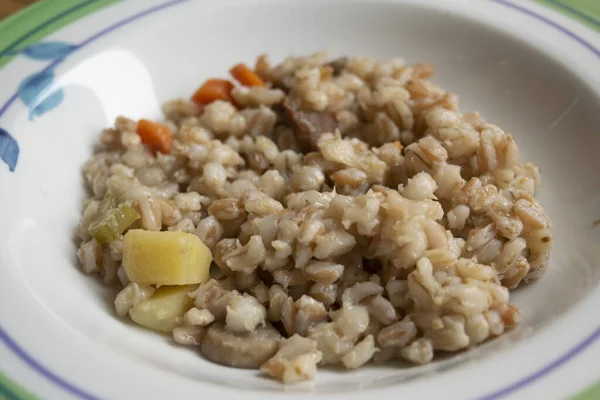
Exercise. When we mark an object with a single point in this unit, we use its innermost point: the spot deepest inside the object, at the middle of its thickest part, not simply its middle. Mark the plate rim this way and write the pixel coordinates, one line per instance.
(34, 12)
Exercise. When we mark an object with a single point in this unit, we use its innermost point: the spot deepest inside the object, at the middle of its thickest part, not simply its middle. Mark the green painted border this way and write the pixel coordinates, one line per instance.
(592, 393)
(9, 390)
(20, 24)
(585, 11)
(40, 13)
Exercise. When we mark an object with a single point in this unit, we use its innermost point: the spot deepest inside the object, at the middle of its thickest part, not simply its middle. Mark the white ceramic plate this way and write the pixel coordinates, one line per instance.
(524, 67)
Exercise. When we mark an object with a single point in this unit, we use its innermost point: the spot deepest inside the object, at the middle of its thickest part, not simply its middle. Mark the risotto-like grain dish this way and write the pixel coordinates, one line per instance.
(315, 212)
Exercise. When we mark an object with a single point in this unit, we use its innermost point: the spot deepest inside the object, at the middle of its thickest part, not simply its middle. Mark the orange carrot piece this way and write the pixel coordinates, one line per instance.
(214, 89)
(157, 136)
(246, 76)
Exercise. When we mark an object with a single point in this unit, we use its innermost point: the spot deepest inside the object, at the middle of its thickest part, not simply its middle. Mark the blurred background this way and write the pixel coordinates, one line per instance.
(8, 7)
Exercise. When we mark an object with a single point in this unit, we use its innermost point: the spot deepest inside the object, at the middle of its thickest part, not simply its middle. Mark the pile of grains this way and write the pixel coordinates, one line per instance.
(354, 214)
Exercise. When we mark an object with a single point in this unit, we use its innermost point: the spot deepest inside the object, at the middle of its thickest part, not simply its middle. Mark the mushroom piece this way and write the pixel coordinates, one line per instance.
(337, 65)
(240, 350)
(308, 126)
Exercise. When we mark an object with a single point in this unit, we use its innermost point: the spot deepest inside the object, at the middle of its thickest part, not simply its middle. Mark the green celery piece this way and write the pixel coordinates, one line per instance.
(113, 223)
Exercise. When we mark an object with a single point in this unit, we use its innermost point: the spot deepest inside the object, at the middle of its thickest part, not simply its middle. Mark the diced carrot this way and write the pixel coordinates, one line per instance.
(214, 89)
(398, 145)
(246, 76)
(157, 136)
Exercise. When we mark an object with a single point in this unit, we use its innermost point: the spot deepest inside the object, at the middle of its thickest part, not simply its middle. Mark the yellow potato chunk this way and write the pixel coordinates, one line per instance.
(165, 258)
(161, 310)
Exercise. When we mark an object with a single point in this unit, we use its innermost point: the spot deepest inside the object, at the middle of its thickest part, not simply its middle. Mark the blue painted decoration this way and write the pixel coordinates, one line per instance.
(47, 51)
(33, 91)
(9, 150)
(36, 92)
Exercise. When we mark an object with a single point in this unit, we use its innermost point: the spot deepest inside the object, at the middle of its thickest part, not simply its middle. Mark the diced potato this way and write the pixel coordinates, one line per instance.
(165, 258)
(161, 310)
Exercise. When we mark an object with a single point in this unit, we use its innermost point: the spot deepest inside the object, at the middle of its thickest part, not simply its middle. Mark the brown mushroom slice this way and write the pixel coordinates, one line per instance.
(337, 65)
(240, 350)
(308, 126)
